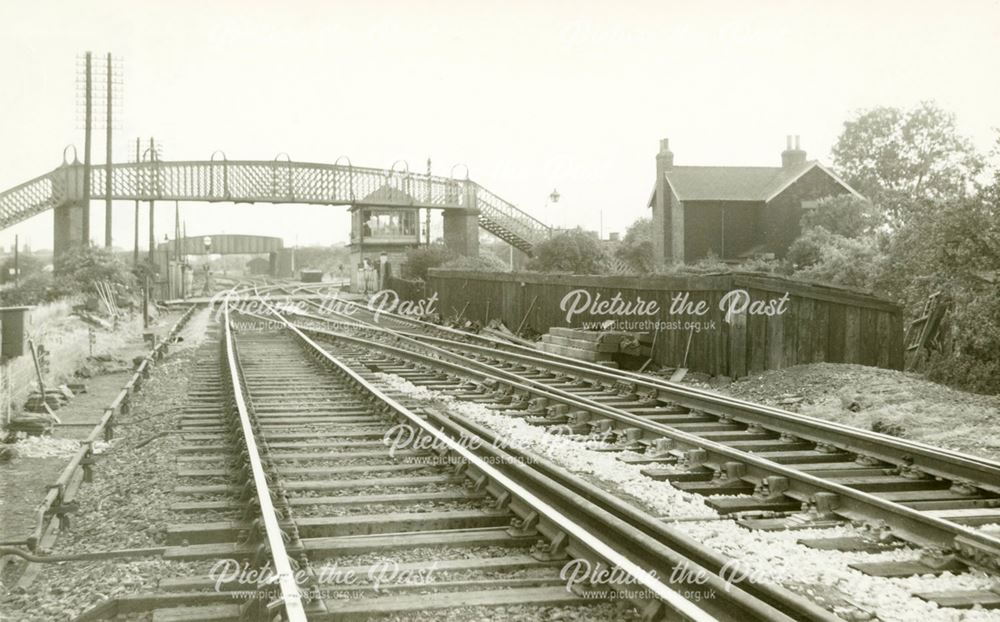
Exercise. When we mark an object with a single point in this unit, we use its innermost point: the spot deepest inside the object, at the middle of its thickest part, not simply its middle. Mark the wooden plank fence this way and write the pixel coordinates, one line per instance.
(817, 323)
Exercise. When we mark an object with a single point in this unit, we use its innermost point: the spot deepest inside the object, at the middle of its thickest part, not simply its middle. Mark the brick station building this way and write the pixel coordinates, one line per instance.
(735, 212)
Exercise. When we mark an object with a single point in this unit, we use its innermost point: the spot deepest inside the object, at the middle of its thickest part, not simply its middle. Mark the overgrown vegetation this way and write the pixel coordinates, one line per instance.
(420, 260)
(636, 248)
(931, 224)
(485, 262)
(27, 266)
(75, 272)
(820, 255)
(573, 251)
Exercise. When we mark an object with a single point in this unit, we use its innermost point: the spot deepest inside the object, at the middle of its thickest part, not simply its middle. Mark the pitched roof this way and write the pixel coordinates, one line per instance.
(388, 194)
(738, 183)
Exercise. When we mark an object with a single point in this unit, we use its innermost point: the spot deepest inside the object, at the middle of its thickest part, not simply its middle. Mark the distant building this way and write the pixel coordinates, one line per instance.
(735, 212)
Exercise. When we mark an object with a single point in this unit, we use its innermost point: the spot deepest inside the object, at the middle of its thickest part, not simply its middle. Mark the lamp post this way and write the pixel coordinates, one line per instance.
(553, 197)
(166, 250)
(153, 154)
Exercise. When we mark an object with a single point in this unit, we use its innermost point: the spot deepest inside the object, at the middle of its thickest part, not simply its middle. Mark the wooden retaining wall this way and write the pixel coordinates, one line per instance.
(819, 323)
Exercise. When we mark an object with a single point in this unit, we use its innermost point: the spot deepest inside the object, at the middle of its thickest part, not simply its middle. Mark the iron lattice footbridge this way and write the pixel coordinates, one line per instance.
(272, 181)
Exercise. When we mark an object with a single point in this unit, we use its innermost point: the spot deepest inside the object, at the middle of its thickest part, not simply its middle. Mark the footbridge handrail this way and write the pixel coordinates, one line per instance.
(278, 180)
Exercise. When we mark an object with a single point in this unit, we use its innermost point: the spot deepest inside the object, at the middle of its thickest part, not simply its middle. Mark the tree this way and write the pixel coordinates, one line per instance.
(948, 245)
(636, 248)
(819, 255)
(27, 265)
(572, 251)
(79, 268)
(844, 214)
(942, 233)
(76, 271)
(991, 192)
(895, 157)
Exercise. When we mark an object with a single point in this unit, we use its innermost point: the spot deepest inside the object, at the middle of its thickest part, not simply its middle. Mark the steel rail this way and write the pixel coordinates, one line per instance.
(290, 595)
(945, 463)
(664, 593)
(909, 524)
(776, 596)
(934, 461)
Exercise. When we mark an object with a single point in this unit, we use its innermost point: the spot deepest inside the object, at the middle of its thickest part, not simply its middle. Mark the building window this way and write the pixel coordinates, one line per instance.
(388, 223)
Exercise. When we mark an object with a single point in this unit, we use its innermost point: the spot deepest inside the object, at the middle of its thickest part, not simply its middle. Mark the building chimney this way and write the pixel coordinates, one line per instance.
(665, 158)
(792, 156)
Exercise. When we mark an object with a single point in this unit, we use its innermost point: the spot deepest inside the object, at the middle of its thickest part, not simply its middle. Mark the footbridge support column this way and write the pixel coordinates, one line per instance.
(67, 227)
(461, 226)
(67, 221)
(461, 232)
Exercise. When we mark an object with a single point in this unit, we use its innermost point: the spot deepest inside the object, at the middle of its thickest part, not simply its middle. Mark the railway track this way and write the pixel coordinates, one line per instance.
(295, 508)
(770, 468)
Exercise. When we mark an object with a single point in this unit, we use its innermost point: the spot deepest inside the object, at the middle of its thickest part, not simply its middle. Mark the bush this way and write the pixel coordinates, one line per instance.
(39, 288)
(713, 265)
(807, 250)
(844, 214)
(572, 251)
(951, 247)
(969, 357)
(76, 272)
(78, 269)
(973, 374)
(636, 248)
(28, 265)
(760, 264)
(819, 255)
(487, 262)
(420, 260)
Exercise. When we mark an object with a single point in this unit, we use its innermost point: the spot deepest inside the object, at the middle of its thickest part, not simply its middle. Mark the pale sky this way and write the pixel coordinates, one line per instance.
(530, 96)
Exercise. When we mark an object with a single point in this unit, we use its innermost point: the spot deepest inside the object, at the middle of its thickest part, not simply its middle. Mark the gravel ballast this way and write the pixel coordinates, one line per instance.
(770, 556)
(125, 506)
(659, 497)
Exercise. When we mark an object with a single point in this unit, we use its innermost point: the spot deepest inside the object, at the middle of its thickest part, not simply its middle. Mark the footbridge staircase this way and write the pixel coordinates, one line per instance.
(272, 181)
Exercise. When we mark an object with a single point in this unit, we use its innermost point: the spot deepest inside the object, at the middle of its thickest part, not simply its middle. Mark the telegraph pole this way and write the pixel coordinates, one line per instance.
(17, 267)
(427, 229)
(107, 156)
(152, 203)
(91, 120)
(135, 249)
(184, 263)
(88, 124)
(177, 230)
